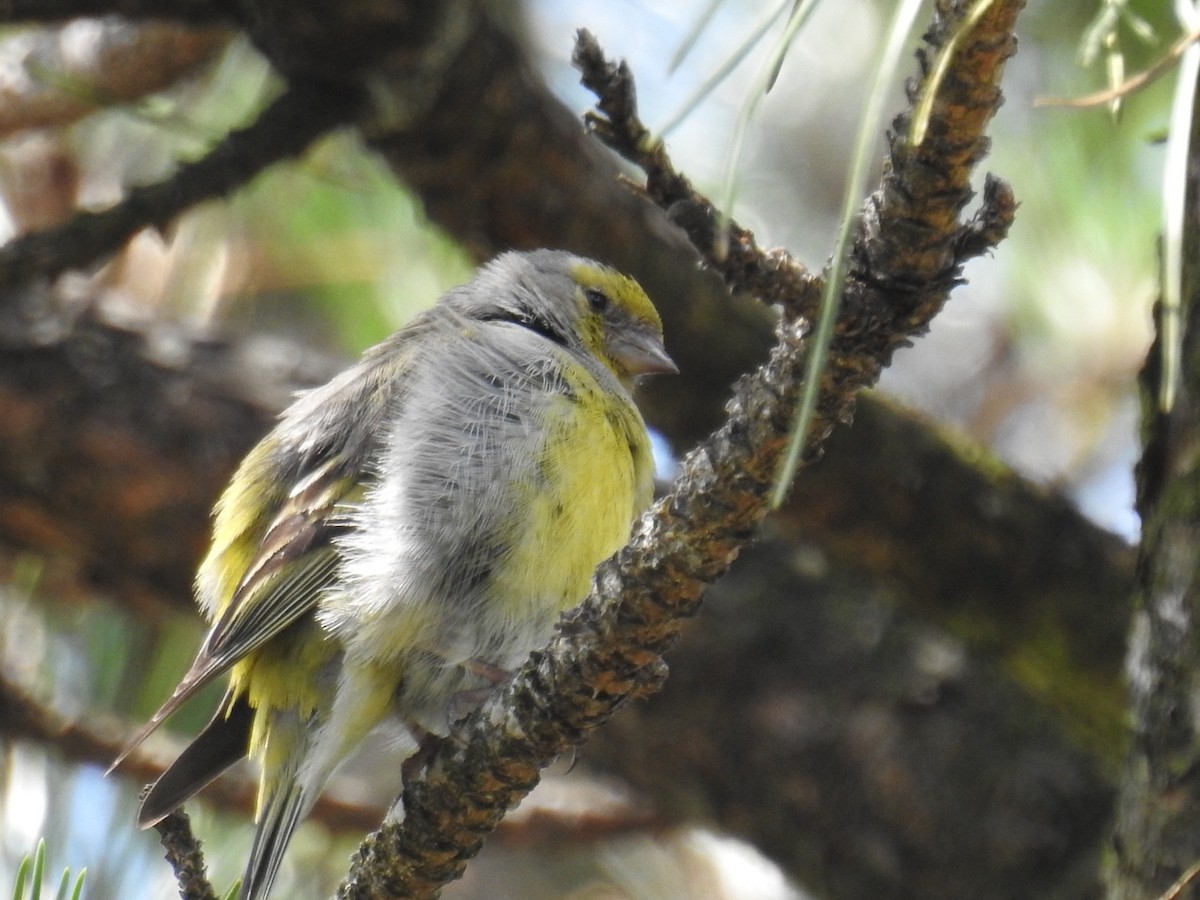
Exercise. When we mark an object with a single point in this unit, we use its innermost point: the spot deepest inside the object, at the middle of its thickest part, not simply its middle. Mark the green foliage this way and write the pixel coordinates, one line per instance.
(31, 872)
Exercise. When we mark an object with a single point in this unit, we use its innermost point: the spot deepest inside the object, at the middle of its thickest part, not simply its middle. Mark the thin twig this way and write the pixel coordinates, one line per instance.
(185, 856)
(773, 276)
(285, 129)
(1130, 85)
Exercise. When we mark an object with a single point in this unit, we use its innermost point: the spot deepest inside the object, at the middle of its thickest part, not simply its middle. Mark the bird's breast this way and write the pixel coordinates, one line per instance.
(575, 506)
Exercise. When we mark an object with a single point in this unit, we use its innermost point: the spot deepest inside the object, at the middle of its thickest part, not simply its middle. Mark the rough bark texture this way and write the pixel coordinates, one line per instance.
(963, 542)
(117, 440)
(1157, 831)
(183, 853)
(866, 752)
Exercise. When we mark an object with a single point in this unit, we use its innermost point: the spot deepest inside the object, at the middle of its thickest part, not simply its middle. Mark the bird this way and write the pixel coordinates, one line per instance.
(409, 532)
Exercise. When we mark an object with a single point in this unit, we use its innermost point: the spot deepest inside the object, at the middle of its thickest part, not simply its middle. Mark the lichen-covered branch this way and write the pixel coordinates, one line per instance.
(1156, 834)
(771, 276)
(861, 749)
(993, 558)
(185, 857)
(609, 649)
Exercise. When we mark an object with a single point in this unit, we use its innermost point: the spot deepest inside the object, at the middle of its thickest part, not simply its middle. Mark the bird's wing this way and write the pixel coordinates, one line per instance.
(295, 562)
(257, 580)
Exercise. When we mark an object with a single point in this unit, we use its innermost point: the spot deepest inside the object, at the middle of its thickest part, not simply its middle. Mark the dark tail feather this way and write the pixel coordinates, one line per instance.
(277, 822)
(203, 670)
(224, 740)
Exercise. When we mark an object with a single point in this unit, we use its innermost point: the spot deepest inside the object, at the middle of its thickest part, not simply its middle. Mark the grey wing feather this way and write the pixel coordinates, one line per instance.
(287, 600)
(329, 434)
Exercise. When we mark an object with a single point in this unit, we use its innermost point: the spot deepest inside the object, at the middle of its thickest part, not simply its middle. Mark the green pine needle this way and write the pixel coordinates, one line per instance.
(693, 35)
(39, 871)
(31, 871)
(732, 61)
(22, 877)
(1174, 197)
(885, 74)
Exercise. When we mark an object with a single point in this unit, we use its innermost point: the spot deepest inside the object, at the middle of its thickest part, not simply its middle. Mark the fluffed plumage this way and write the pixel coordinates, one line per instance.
(415, 527)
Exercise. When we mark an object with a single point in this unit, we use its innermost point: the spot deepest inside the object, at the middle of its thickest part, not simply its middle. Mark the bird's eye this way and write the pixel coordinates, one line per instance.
(597, 299)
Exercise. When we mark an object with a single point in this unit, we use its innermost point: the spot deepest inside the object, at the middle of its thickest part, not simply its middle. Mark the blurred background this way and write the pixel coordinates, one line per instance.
(1034, 358)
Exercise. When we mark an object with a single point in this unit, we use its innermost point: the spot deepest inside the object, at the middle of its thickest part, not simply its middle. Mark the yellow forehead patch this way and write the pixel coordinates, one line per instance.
(621, 289)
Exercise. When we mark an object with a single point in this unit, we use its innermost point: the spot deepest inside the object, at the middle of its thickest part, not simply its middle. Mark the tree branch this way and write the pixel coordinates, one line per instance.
(197, 12)
(1156, 836)
(773, 277)
(997, 561)
(185, 857)
(863, 750)
(52, 83)
(118, 437)
(608, 650)
(303, 113)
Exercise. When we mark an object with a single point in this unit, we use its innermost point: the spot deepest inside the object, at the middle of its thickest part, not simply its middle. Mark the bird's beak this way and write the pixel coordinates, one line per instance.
(642, 353)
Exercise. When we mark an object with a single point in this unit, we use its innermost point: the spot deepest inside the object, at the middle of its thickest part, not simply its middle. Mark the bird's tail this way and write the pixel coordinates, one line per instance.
(277, 821)
(298, 758)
